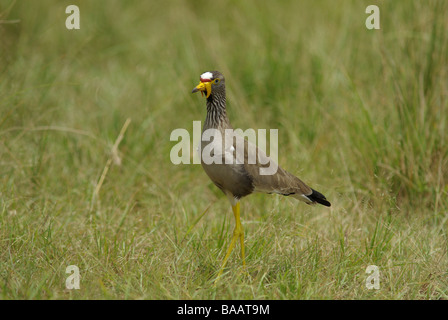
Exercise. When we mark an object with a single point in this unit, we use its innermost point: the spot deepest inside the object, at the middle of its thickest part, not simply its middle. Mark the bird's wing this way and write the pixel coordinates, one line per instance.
(278, 181)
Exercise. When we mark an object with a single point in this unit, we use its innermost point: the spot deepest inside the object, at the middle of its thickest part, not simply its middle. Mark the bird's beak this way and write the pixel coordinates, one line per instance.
(203, 86)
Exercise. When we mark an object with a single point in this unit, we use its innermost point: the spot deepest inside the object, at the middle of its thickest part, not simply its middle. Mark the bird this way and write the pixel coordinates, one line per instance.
(235, 175)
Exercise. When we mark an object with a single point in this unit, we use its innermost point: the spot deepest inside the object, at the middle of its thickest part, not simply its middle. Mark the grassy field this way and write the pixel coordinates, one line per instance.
(361, 114)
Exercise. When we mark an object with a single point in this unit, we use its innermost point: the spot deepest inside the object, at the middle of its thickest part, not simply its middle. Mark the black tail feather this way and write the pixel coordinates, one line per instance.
(318, 197)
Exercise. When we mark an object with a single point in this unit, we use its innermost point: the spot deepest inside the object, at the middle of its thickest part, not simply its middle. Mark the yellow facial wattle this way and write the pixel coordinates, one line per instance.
(204, 86)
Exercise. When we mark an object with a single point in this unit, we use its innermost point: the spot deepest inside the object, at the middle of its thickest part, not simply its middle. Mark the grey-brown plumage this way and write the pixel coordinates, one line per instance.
(236, 166)
(241, 178)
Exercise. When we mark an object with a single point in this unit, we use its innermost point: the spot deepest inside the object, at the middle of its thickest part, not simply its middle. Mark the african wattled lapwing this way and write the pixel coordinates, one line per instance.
(240, 177)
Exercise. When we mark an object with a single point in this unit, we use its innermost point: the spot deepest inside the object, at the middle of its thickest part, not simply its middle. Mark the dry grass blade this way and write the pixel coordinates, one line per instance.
(114, 157)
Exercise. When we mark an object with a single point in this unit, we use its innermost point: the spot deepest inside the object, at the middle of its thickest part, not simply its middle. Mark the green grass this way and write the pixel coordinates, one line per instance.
(361, 114)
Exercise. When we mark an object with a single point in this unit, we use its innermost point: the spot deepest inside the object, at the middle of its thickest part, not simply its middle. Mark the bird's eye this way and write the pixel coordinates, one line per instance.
(215, 81)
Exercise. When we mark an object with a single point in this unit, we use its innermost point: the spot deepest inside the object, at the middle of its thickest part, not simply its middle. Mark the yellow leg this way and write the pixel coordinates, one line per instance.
(238, 232)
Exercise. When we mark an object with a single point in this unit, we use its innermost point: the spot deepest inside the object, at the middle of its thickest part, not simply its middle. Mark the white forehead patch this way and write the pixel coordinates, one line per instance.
(207, 75)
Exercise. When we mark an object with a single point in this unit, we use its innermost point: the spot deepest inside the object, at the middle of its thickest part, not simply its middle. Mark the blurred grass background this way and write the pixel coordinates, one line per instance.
(362, 117)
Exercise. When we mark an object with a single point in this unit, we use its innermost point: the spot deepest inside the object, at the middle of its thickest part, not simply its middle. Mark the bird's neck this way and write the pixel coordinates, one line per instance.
(216, 112)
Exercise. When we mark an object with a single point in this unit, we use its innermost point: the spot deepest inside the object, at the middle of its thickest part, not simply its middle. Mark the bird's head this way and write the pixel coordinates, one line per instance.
(211, 83)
